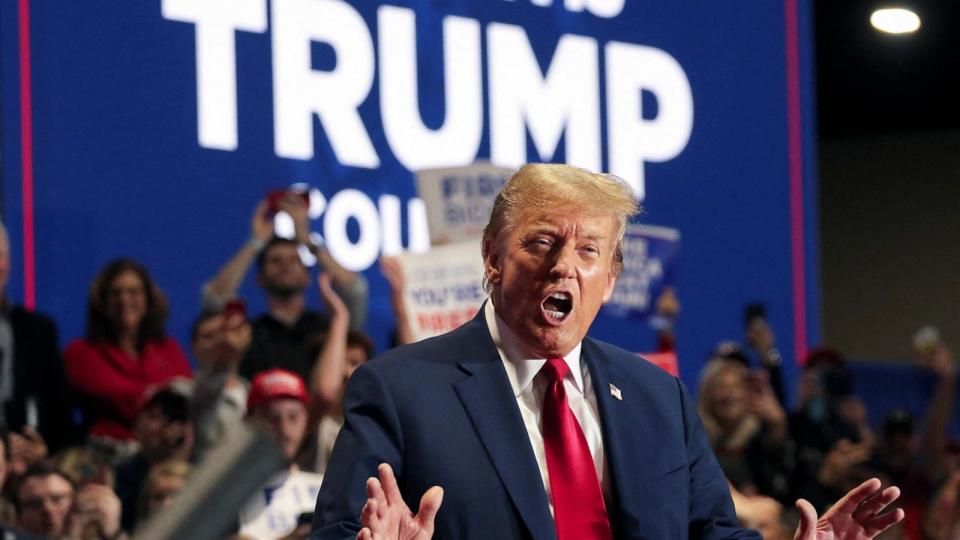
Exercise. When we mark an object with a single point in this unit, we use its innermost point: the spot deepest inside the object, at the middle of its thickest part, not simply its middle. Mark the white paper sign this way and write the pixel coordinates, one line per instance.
(443, 287)
(459, 199)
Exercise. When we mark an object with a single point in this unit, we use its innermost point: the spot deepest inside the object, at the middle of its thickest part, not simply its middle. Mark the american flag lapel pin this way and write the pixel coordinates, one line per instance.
(615, 392)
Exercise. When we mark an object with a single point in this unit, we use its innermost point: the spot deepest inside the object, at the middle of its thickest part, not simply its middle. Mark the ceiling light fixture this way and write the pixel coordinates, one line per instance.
(895, 20)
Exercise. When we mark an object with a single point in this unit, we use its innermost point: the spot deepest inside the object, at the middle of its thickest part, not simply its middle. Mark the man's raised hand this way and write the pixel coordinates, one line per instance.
(386, 516)
(330, 298)
(261, 224)
(859, 515)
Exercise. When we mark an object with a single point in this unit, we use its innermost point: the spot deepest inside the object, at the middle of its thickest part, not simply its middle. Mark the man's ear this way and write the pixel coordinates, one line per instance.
(491, 261)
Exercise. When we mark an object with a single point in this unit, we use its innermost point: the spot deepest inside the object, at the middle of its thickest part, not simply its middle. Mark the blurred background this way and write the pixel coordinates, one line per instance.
(888, 155)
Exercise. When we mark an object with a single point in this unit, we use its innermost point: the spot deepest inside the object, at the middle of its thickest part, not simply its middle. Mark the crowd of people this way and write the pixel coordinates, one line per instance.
(822, 446)
(99, 438)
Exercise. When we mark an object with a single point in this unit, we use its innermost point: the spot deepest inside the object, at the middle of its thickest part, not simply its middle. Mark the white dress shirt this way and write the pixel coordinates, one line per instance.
(529, 389)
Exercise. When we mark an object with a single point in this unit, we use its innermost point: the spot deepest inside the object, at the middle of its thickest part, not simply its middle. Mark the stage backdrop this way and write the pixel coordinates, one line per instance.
(150, 130)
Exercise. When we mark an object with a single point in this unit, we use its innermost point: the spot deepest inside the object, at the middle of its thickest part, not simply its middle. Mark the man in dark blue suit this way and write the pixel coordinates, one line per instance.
(532, 429)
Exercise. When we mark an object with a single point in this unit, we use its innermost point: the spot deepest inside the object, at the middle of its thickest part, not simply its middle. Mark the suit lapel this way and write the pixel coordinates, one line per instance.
(489, 401)
(627, 441)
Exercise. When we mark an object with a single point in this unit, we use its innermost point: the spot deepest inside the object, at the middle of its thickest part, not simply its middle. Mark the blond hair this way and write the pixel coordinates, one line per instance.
(170, 468)
(542, 186)
(748, 425)
(167, 468)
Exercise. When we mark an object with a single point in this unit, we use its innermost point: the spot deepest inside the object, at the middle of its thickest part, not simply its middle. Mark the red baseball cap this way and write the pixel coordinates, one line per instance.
(275, 384)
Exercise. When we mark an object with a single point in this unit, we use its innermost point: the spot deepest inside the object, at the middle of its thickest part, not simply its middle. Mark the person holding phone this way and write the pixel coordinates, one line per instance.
(760, 337)
(288, 335)
(218, 342)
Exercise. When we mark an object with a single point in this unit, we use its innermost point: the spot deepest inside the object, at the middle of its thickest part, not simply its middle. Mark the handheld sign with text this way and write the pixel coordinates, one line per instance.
(649, 266)
(444, 287)
(459, 199)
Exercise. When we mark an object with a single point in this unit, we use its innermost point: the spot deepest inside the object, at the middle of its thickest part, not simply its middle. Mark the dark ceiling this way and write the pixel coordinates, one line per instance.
(869, 82)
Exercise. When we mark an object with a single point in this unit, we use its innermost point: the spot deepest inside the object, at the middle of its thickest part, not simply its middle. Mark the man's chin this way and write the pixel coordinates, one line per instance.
(283, 291)
(551, 341)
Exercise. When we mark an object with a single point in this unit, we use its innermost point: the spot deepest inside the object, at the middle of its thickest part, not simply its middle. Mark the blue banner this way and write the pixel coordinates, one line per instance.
(155, 128)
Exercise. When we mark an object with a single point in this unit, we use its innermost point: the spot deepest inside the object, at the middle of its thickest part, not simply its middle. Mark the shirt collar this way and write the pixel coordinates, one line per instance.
(521, 366)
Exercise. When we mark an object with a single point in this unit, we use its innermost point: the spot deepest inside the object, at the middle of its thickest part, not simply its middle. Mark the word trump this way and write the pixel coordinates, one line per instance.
(563, 103)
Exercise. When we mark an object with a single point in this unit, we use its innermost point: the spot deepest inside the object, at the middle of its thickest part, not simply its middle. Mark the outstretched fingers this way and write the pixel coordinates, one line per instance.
(375, 491)
(376, 505)
(390, 488)
(852, 500)
(370, 517)
(869, 513)
(874, 505)
(386, 513)
(429, 506)
(877, 524)
(808, 519)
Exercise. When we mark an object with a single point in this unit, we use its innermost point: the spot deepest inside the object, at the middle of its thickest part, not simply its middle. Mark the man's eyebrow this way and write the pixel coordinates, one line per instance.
(541, 228)
(595, 237)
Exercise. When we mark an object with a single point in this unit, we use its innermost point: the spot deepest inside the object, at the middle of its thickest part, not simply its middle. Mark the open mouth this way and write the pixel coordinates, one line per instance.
(558, 305)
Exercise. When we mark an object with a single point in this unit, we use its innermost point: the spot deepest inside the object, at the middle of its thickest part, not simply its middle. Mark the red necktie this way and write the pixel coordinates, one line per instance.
(578, 507)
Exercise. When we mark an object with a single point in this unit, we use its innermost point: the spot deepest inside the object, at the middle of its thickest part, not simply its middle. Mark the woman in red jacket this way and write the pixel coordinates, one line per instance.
(126, 349)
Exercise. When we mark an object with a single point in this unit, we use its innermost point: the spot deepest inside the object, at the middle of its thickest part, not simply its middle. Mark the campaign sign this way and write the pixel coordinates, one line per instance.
(151, 129)
(443, 287)
(459, 199)
(649, 266)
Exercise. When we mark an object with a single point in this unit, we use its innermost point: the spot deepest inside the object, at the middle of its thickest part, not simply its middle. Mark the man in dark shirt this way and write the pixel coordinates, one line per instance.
(278, 343)
(289, 335)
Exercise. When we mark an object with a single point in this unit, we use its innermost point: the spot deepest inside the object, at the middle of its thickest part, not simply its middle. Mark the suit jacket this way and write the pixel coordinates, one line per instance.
(442, 412)
(38, 374)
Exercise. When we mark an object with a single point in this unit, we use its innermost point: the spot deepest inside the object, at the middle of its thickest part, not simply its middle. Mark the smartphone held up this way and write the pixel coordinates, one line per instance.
(277, 196)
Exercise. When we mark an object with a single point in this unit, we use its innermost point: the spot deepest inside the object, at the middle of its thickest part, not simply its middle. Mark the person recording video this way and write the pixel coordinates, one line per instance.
(288, 335)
